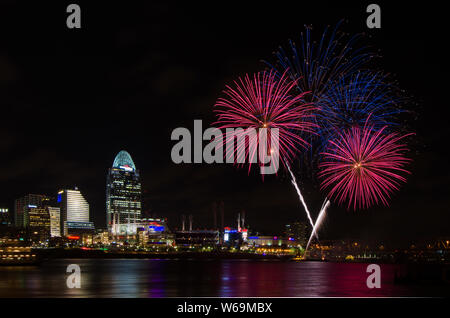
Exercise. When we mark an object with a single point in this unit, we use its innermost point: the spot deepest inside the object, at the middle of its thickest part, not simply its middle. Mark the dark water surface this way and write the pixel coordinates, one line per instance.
(223, 278)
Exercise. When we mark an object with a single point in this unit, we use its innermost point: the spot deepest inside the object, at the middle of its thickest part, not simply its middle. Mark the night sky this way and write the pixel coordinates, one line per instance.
(72, 99)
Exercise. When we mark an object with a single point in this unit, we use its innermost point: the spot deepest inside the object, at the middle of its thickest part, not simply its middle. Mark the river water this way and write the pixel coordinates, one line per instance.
(206, 278)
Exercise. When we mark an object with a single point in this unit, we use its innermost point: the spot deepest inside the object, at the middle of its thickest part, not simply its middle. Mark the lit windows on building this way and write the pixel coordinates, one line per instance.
(23, 206)
(123, 196)
(34, 212)
(39, 223)
(55, 221)
(39, 218)
(5, 218)
(74, 216)
(298, 231)
(262, 241)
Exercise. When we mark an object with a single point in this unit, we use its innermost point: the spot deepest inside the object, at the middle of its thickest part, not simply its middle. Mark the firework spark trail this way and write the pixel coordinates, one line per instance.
(319, 221)
(294, 183)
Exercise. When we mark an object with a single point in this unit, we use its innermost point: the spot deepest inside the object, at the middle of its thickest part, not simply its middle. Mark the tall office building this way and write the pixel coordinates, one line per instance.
(24, 205)
(123, 196)
(55, 221)
(39, 223)
(74, 217)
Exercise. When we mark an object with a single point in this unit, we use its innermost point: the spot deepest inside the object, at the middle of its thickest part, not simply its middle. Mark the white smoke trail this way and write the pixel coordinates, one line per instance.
(294, 182)
(319, 220)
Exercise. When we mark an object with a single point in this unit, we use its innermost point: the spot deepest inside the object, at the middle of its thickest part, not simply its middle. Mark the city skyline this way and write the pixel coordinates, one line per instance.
(136, 105)
(223, 157)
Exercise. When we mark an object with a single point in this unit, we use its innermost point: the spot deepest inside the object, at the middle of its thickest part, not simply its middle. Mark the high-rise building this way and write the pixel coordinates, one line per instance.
(123, 196)
(23, 206)
(5, 218)
(74, 216)
(39, 223)
(55, 221)
(34, 212)
(39, 218)
(297, 231)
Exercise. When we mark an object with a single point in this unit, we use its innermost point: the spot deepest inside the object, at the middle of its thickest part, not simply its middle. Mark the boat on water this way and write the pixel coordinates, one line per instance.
(18, 255)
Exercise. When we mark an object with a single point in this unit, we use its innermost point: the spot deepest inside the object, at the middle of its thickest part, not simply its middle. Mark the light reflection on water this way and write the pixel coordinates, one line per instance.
(223, 278)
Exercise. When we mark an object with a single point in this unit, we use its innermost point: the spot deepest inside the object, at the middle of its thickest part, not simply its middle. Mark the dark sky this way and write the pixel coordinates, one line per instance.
(72, 99)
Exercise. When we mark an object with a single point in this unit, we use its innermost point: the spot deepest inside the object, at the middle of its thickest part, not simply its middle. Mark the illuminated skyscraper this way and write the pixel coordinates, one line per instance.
(74, 216)
(33, 212)
(23, 206)
(123, 196)
(55, 221)
(39, 223)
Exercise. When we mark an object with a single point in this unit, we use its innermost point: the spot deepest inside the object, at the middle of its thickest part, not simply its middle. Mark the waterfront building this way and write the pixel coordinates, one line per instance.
(23, 206)
(87, 238)
(274, 241)
(55, 221)
(234, 237)
(153, 226)
(5, 218)
(74, 216)
(101, 237)
(154, 232)
(32, 214)
(297, 231)
(39, 223)
(123, 196)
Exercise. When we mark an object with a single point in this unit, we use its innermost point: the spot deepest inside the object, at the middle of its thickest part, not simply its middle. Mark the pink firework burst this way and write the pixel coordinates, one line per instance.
(266, 100)
(364, 166)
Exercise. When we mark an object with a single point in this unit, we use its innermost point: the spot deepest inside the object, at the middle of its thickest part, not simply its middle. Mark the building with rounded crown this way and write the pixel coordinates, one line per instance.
(123, 196)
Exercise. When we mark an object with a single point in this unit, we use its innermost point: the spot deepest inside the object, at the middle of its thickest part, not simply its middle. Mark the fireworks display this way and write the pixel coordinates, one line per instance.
(322, 93)
(363, 166)
(324, 67)
(266, 101)
(317, 65)
(350, 100)
(356, 108)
